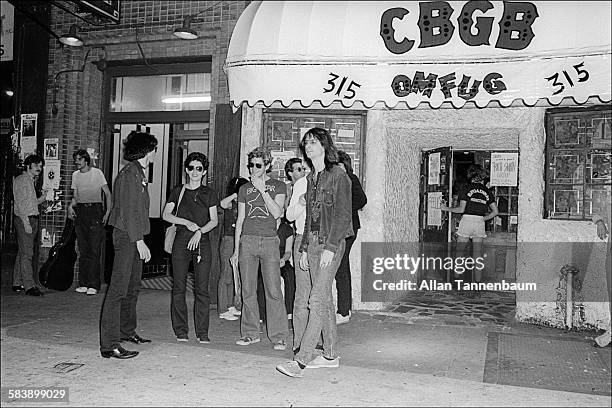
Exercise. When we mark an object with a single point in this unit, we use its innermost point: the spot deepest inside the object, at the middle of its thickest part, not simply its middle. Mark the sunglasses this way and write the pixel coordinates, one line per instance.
(198, 168)
(298, 169)
(258, 165)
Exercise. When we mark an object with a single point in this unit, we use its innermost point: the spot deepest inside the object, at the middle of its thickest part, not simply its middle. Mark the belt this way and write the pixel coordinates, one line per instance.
(89, 204)
(34, 216)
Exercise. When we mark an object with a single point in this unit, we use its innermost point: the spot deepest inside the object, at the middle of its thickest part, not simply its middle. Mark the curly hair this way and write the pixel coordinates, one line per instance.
(33, 159)
(261, 153)
(137, 145)
(197, 156)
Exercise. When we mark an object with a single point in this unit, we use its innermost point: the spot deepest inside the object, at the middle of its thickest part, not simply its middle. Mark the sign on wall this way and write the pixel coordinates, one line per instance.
(7, 12)
(504, 169)
(29, 130)
(408, 53)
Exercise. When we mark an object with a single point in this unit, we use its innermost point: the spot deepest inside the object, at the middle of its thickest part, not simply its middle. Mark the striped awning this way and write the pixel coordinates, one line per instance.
(405, 53)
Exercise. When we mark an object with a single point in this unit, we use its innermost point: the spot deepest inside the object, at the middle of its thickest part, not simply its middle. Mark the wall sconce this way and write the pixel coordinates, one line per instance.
(186, 32)
(71, 39)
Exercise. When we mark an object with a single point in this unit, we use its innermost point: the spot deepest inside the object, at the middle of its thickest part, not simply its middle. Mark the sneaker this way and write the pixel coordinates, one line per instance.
(81, 289)
(291, 368)
(18, 288)
(92, 291)
(234, 311)
(204, 339)
(280, 345)
(34, 291)
(322, 362)
(290, 316)
(247, 341)
(228, 316)
(603, 340)
(182, 338)
(342, 319)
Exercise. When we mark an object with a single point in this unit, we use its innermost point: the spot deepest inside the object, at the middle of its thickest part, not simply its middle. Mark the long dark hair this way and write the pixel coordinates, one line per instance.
(323, 136)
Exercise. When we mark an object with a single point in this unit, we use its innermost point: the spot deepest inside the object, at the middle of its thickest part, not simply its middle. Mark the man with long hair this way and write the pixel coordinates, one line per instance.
(130, 217)
(328, 223)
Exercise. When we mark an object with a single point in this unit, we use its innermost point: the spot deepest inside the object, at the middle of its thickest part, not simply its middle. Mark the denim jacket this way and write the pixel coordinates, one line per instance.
(334, 193)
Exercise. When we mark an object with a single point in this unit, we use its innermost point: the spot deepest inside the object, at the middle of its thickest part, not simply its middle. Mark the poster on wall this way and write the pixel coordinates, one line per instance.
(8, 28)
(279, 158)
(51, 149)
(504, 169)
(434, 169)
(434, 214)
(29, 125)
(51, 175)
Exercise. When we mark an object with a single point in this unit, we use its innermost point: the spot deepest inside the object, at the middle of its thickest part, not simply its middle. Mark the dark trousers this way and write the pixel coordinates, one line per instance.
(119, 310)
(343, 279)
(23, 271)
(181, 256)
(90, 235)
(288, 275)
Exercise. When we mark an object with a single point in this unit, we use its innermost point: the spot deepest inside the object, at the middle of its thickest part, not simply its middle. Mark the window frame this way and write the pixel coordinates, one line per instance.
(582, 151)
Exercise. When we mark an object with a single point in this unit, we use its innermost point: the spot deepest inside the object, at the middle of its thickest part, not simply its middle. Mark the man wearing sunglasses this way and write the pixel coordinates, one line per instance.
(260, 204)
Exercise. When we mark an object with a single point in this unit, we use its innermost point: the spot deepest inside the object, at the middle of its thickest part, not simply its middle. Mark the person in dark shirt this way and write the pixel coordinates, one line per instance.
(477, 204)
(343, 276)
(130, 217)
(196, 216)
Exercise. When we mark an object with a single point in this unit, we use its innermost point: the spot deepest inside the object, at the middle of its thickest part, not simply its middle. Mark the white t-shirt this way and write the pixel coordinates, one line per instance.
(296, 211)
(88, 186)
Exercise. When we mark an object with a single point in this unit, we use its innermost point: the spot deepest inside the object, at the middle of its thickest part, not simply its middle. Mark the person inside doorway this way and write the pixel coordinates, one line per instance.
(477, 204)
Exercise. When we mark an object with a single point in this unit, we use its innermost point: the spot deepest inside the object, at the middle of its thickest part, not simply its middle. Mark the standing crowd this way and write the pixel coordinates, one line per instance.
(281, 247)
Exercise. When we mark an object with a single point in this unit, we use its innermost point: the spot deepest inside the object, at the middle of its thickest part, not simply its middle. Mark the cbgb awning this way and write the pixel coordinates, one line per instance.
(408, 52)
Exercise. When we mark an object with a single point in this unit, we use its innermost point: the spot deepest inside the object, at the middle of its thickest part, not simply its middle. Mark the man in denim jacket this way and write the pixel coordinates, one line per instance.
(328, 223)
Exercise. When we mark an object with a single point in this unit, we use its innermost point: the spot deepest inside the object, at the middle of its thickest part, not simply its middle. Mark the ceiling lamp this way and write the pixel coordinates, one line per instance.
(71, 39)
(186, 32)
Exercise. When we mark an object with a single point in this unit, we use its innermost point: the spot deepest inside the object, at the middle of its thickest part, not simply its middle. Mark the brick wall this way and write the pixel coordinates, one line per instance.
(79, 94)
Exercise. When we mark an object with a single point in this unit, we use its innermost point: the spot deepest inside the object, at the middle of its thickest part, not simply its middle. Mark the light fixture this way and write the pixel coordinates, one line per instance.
(186, 32)
(185, 99)
(9, 92)
(71, 39)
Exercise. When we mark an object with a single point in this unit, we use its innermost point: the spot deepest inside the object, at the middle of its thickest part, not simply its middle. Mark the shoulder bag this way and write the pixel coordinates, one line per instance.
(171, 230)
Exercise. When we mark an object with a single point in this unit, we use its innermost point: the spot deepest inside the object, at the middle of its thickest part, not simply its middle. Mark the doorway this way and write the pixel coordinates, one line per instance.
(443, 174)
(175, 142)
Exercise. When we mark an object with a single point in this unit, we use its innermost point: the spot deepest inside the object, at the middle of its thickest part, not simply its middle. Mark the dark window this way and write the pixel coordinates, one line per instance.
(578, 178)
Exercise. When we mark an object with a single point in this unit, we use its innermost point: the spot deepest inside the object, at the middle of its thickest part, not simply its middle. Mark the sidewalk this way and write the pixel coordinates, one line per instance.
(384, 361)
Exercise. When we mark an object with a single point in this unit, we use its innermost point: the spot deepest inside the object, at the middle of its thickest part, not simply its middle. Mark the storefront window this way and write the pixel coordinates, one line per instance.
(174, 92)
(578, 177)
(283, 131)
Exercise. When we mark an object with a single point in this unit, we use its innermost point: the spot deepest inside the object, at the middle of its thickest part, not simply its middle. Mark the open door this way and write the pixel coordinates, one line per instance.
(435, 185)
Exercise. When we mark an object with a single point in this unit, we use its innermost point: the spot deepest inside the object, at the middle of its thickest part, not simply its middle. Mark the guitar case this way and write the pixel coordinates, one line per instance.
(57, 272)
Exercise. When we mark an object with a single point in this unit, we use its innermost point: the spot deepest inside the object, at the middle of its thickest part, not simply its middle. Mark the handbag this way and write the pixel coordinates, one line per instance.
(171, 230)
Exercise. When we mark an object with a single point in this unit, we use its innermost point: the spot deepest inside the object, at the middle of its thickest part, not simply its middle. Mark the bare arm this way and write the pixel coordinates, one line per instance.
(493, 213)
(457, 210)
(168, 216)
(227, 201)
(109, 202)
(214, 220)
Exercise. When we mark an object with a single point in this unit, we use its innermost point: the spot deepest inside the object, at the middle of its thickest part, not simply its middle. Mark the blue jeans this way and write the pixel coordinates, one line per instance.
(253, 251)
(119, 310)
(302, 292)
(180, 266)
(321, 316)
(90, 235)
